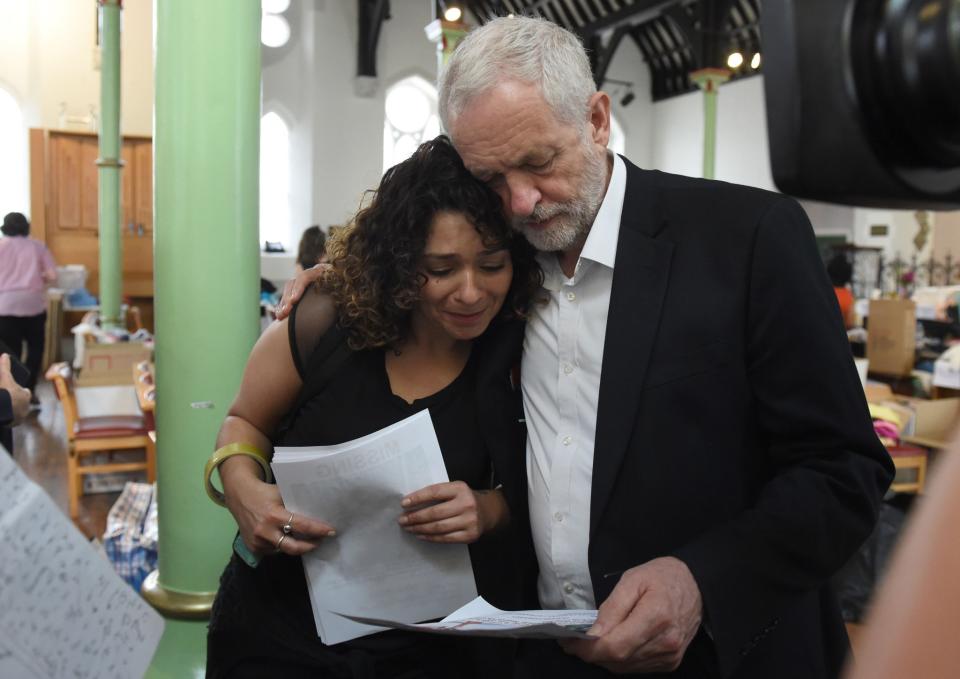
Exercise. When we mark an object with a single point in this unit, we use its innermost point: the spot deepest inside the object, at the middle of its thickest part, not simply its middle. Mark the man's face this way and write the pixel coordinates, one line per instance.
(551, 176)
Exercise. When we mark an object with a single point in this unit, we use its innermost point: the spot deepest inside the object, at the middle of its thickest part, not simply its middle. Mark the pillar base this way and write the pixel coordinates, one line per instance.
(173, 604)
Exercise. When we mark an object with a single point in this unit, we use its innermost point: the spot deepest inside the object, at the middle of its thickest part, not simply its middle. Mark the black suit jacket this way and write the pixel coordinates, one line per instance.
(732, 430)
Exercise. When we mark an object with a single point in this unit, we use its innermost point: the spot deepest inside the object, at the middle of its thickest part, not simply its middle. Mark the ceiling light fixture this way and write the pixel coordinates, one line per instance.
(755, 62)
(735, 60)
(453, 13)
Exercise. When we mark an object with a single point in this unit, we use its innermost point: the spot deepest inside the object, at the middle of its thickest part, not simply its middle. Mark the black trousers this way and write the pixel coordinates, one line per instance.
(15, 331)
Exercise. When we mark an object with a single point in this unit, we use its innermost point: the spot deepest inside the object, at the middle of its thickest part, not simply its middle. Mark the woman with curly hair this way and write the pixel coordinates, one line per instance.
(424, 298)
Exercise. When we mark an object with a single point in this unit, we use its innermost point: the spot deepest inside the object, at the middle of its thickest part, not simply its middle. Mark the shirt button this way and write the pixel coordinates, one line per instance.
(568, 588)
(567, 369)
(558, 516)
(571, 296)
(567, 440)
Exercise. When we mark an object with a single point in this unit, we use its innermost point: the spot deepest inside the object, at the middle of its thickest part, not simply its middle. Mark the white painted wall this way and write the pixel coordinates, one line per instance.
(49, 58)
(828, 219)
(637, 118)
(348, 130)
(742, 154)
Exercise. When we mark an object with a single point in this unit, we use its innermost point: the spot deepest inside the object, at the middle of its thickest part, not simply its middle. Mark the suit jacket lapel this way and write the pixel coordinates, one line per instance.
(640, 276)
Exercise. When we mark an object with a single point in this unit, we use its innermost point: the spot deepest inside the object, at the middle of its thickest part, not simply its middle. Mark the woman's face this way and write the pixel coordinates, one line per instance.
(466, 281)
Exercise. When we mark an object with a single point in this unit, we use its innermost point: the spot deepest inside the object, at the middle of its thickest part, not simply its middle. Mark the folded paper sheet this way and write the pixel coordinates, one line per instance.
(479, 619)
(373, 566)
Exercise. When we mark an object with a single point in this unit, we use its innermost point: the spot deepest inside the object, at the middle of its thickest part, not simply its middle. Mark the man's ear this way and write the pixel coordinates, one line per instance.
(599, 118)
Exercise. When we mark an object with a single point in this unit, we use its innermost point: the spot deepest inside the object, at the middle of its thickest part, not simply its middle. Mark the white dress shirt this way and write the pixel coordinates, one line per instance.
(560, 377)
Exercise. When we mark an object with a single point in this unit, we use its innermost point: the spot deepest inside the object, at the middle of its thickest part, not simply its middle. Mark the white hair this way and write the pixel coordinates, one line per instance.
(524, 49)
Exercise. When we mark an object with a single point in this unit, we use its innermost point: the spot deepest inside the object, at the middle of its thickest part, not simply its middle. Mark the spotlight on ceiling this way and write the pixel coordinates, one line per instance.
(452, 13)
(735, 60)
(755, 62)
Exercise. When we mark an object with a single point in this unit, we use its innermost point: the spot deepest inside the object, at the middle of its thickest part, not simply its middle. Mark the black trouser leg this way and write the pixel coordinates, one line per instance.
(15, 330)
(34, 333)
(11, 334)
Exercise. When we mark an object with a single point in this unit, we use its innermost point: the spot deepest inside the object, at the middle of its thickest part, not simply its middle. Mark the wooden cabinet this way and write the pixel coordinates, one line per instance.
(65, 197)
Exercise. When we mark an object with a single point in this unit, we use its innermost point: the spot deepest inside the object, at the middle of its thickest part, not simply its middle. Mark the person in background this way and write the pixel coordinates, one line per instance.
(841, 273)
(26, 269)
(312, 248)
(14, 402)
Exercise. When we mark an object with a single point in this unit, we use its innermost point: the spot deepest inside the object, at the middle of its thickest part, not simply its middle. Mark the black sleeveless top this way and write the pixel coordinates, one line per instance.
(354, 401)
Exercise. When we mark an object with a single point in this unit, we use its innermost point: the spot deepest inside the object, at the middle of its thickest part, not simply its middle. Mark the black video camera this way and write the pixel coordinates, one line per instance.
(863, 100)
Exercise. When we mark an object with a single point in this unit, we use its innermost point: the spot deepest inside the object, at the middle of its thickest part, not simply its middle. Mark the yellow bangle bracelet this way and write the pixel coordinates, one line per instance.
(222, 454)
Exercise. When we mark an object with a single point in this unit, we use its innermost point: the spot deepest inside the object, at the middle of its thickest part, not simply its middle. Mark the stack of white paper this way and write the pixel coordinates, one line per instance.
(63, 611)
(373, 567)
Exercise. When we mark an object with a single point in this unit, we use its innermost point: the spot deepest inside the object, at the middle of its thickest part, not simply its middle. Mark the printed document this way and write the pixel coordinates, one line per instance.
(373, 567)
(64, 612)
(479, 619)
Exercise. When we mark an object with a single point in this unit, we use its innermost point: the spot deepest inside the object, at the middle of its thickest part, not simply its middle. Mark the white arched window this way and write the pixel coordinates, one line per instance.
(410, 118)
(274, 27)
(14, 196)
(274, 179)
(618, 140)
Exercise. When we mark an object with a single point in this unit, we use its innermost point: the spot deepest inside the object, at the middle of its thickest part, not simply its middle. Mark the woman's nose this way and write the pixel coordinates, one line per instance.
(469, 292)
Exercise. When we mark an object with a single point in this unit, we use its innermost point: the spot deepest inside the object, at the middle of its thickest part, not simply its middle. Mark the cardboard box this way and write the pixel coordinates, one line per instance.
(106, 364)
(935, 423)
(892, 336)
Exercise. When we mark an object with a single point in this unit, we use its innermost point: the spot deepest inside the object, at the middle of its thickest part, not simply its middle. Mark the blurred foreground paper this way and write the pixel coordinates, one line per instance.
(373, 566)
(63, 611)
(479, 619)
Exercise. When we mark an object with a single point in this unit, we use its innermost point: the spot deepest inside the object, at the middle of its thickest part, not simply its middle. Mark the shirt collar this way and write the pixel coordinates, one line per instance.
(601, 244)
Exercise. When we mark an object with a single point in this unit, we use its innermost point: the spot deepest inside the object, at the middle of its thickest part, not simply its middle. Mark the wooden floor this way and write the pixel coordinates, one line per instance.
(40, 448)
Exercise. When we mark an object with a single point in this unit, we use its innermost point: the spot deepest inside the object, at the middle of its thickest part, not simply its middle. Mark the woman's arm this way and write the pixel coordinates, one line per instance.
(268, 391)
(455, 512)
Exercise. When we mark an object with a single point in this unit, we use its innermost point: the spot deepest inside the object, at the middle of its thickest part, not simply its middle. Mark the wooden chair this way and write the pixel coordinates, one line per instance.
(87, 435)
(910, 462)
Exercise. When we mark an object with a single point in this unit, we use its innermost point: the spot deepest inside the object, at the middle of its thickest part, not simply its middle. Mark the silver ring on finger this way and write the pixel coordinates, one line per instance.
(280, 541)
(287, 528)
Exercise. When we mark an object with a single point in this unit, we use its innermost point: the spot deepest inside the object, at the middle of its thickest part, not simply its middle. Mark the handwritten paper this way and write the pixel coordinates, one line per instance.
(63, 610)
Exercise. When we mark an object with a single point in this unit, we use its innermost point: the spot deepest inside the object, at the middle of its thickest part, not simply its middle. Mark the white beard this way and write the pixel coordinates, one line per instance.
(573, 218)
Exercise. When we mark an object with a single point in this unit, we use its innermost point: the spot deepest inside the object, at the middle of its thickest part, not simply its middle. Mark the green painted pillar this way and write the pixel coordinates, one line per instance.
(109, 164)
(206, 259)
(709, 80)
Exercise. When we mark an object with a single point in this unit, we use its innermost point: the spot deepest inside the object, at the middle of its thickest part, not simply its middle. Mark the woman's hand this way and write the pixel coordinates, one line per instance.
(266, 526)
(452, 512)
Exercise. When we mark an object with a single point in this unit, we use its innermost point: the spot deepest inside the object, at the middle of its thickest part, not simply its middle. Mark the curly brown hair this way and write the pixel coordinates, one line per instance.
(375, 272)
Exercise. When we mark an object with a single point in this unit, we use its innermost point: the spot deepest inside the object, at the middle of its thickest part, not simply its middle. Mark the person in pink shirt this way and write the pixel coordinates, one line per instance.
(26, 269)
